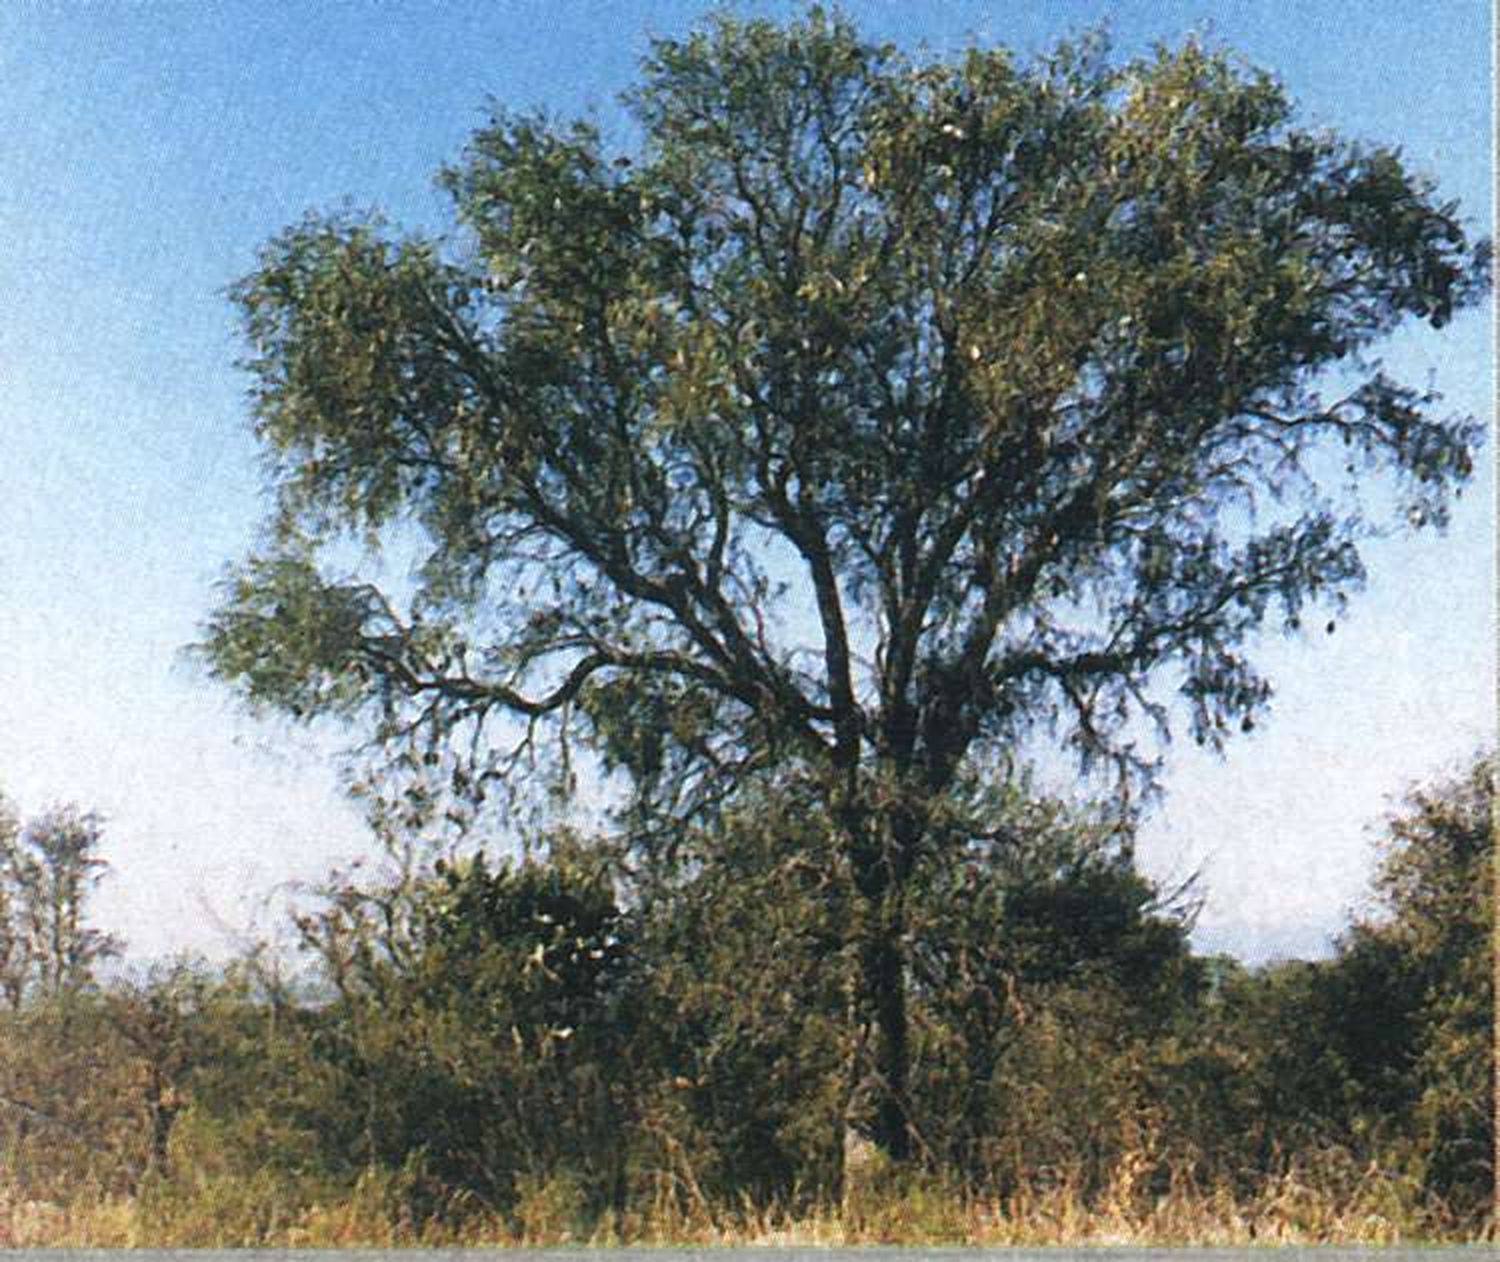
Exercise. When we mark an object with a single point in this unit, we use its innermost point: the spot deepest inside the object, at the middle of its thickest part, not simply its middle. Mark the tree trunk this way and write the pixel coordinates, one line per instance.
(883, 974)
(880, 852)
(161, 1110)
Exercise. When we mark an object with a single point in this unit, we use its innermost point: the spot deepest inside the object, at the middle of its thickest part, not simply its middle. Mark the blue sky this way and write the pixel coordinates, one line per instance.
(150, 148)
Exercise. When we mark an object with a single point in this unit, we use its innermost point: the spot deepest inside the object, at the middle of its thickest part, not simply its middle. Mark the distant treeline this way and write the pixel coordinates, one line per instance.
(566, 1047)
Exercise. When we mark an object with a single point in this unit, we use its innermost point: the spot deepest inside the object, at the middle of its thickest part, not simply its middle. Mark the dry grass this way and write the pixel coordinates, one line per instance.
(1317, 1199)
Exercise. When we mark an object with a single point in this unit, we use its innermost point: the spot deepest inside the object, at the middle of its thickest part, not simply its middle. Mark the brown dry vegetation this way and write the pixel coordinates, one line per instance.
(1318, 1199)
(478, 1056)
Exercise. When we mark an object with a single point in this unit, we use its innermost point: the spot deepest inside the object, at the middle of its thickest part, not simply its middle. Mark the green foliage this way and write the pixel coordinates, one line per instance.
(874, 417)
(1386, 1050)
(753, 968)
(478, 1024)
(745, 968)
(571, 1048)
(1437, 886)
(1028, 939)
(69, 1106)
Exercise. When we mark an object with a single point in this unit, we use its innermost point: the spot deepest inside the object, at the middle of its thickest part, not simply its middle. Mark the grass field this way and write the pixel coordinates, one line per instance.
(1314, 1201)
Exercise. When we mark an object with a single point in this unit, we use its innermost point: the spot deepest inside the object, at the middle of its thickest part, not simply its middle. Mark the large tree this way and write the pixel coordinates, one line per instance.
(873, 418)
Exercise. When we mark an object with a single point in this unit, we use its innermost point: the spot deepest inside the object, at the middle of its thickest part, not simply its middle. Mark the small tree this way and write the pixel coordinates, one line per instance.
(481, 1024)
(65, 1110)
(48, 869)
(876, 417)
(1435, 1001)
(162, 1019)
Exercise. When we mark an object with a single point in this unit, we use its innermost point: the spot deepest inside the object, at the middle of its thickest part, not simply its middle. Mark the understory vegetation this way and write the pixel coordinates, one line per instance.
(557, 1048)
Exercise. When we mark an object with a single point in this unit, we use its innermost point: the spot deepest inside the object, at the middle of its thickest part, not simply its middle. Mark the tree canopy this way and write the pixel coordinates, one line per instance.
(874, 417)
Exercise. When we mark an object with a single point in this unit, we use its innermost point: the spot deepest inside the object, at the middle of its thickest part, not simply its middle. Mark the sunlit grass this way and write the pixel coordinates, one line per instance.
(1317, 1198)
